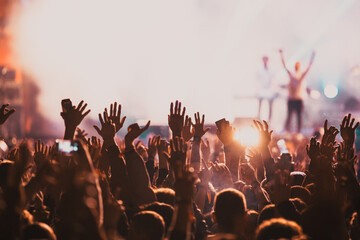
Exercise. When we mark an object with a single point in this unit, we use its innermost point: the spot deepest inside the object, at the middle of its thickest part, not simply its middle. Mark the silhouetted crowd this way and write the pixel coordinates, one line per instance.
(188, 187)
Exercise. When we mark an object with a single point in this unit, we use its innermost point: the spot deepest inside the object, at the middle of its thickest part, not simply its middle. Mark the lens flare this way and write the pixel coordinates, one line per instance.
(247, 136)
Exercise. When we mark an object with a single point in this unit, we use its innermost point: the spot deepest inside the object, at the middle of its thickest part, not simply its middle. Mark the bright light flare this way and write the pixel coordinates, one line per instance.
(314, 94)
(331, 91)
(247, 136)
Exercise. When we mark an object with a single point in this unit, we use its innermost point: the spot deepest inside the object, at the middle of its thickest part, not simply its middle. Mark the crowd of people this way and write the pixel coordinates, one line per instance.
(185, 187)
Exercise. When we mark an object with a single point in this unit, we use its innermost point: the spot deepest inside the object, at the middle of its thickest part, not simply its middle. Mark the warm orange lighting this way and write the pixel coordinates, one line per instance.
(247, 136)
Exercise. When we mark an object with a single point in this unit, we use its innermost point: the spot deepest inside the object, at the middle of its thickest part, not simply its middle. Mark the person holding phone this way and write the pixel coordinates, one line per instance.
(296, 91)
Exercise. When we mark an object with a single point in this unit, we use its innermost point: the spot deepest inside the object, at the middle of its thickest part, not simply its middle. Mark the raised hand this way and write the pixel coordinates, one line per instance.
(94, 146)
(40, 213)
(5, 113)
(327, 146)
(329, 134)
(108, 130)
(280, 191)
(347, 130)
(345, 155)
(313, 54)
(205, 174)
(178, 149)
(163, 151)
(13, 154)
(74, 116)
(313, 149)
(186, 132)
(226, 134)
(162, 146)
(41, 154)
(152, 146)
(247, 173)
(198, 126)
(255, 159)
(265, 134)
(205, 150)
(81, 134)
(115, 116)
(221, 176)
(134, 131)
(177, 158)
(176, 119)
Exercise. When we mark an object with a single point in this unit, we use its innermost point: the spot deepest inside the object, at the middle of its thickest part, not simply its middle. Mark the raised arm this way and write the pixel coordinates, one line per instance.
(72, 118)
(176, 119)
(199, 131)
(309, 66)
(119, 176)
(5, 113)
(283, 62)
(141, 191)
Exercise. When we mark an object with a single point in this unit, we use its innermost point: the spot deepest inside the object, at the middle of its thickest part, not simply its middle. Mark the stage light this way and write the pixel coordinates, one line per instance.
(331, 91)
(314, 94)
(247, 136)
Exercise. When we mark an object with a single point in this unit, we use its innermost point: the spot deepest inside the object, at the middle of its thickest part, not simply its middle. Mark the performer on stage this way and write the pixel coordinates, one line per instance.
(266, 89)
(296, 91)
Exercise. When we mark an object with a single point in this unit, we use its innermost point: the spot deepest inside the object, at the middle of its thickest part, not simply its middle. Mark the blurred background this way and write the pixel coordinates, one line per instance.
(145, 54)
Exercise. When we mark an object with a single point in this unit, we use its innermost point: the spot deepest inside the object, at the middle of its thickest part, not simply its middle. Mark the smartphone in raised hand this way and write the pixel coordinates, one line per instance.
(67, 147)
(66, 104)
(220, 123)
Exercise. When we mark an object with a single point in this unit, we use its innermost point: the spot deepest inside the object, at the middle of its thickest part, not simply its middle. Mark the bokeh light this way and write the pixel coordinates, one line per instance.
(331, 91)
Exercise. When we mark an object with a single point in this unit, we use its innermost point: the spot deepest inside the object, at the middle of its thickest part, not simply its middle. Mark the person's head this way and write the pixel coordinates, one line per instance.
(299, 204)
(278, 228)
(146, 225)
(38, 231)
(297, 66)
(267, 213)
(285, 162)
(165, 210)
(265, 61)
(297, 178)
(5, 167)
(324, 220)
(165, 195)
(251, 223)
(229, 210)
(300, 192)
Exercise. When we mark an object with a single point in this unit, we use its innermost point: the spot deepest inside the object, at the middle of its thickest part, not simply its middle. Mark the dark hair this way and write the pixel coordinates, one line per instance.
(38, 231)
(165, 210)
(5, 167)
(165, 195)
(300, 192)
(147, 225)
(267, 213)
(299, 204)
(229, 205)
(278, 228)
(324, 220)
